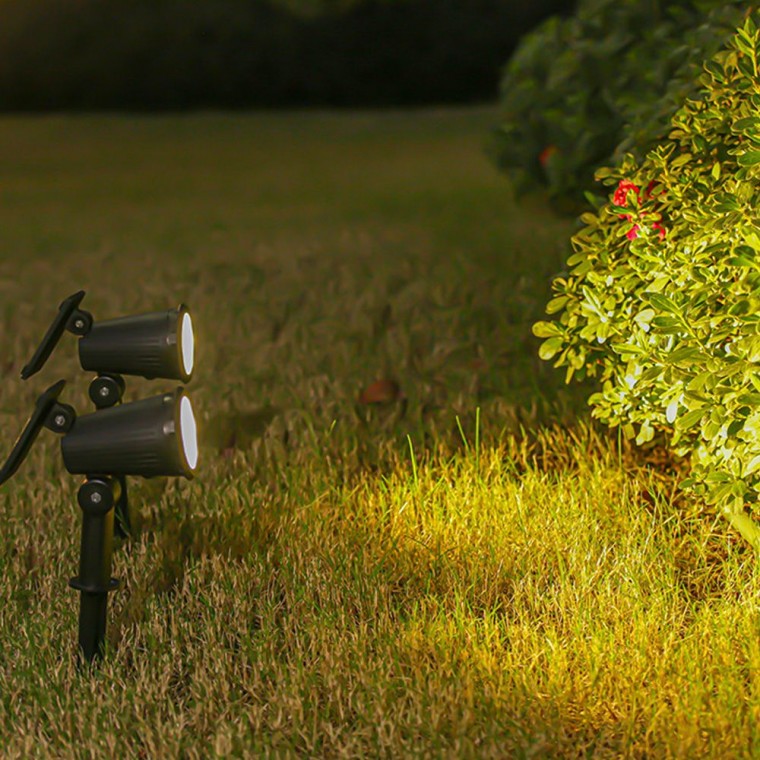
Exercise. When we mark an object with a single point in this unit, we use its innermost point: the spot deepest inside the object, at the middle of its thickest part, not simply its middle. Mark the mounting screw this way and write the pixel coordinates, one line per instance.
(104, 391)
(59, 420)
(95, 497)
(79, 323)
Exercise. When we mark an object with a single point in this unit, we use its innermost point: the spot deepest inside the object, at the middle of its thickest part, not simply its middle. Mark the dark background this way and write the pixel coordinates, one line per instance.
(179, 54)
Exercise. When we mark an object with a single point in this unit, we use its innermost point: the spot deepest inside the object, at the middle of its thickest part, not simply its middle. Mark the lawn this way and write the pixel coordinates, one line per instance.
(465, 567)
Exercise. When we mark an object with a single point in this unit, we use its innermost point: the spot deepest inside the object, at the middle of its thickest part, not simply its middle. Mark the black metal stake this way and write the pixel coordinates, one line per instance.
(96, 497)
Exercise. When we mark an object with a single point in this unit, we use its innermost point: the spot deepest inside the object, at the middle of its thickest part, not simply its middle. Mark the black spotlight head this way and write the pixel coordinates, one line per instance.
(159, 344)
(154, 436)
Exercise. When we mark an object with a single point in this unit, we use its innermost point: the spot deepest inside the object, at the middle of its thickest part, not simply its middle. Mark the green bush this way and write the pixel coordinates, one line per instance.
(662, 301)
(580, 92)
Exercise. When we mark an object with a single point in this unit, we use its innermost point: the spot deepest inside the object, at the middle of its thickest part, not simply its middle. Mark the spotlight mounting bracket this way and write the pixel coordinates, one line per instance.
(48, 413)
(106, 390)
(70, 317)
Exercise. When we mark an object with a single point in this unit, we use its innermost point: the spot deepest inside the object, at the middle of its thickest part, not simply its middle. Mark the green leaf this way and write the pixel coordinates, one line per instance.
(688, 420)
(750, 158)
(646, 433)
(681, 161)
(719, 493)
(627, 348)
(746, 124)
(753, 240)
(716, 70)
(685, 354)
(583, 268)
(746, 526)
(644, 317)
(666, 322)
(698, 382)
(742, 261)
(589, 219)
(550, 347)
(556, 304)
(546, 329)
(661, 302)
(752, 466)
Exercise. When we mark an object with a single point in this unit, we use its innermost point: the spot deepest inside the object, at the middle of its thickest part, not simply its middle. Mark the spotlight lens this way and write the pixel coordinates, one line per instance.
(188, 346)
(189, 433)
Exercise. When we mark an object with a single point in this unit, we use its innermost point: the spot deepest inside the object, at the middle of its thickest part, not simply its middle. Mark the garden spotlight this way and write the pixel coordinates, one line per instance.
(159, 344)
(152, 437)
(149, 345)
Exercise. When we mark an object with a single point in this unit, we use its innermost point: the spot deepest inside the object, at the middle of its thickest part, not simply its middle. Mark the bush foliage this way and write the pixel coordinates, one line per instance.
(231, 53)
(662, 301)
(580, 92)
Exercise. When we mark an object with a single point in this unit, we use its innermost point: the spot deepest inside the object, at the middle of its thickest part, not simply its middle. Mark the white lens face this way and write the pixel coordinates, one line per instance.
(189, 432)
(187, 343)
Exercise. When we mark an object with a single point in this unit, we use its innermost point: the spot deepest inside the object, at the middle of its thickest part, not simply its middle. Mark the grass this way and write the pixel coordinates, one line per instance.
(469, 569)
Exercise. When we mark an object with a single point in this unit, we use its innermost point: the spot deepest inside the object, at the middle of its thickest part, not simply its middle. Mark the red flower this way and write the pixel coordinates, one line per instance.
(546, 154)
(620, 198)
(621, 194)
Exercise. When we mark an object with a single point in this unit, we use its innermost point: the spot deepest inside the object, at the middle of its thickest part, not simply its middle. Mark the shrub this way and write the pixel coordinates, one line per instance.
(580, 92)
(662, 301)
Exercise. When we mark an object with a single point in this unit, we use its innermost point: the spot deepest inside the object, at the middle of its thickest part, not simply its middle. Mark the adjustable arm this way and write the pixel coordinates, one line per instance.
(70, 317)
(47, 413)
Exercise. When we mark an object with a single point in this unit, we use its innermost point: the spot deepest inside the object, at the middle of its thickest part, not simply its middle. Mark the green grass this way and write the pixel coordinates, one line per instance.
(472, 569)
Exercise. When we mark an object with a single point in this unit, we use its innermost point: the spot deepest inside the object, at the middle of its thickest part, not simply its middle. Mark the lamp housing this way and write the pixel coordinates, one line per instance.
(158, 344)
(151, 437)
